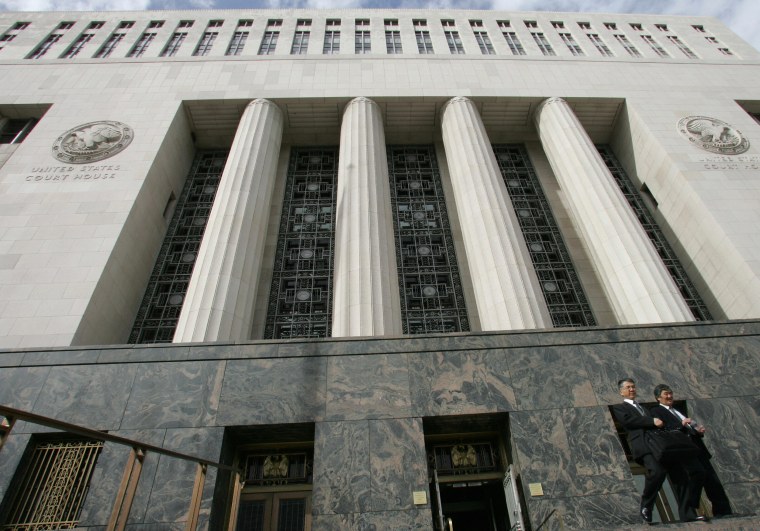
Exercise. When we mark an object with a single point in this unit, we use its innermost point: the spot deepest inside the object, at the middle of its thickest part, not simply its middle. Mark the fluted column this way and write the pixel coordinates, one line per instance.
(222, 291)
(366, 294)
(632, 274)
(506, 288)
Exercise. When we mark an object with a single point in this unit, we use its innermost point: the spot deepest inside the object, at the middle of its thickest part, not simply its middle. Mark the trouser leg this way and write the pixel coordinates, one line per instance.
(654, 478)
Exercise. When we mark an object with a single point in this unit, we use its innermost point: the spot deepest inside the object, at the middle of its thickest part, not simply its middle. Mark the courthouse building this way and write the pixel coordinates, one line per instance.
(369, 269)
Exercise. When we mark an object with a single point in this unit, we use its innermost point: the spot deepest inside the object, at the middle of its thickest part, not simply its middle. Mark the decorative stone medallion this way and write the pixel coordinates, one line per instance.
(713, 135)
(92, 142)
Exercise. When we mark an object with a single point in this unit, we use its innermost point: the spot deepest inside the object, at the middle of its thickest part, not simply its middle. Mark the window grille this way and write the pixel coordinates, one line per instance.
(514, 43)
(661, 245)
(458, 459)
(205, 44)
(300, 43)
(109, 46)
(43, 48)
(53, 487)
(454, 42)
(655, 46)
(174, 44)
(332, 42)
(237, 43)
(160, 308)
(393, 42)
(628, 45)
(77, 46)
(424, 42)
(682, 46)
(599, 44)
(484, 43)
(573, 46)
(300, 297)
(269, 42)
(142, 45)
(543, 43)
(560, 286)
(430, 287)
(362, 43)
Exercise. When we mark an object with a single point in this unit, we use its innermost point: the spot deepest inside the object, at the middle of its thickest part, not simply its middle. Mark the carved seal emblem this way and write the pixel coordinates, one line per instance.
(92, 142)
(713, 135)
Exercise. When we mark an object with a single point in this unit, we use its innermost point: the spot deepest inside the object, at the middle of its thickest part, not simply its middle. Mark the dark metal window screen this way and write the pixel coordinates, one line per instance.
(300, 298)
(251, 515)
(53, 487)
(431, 290)
(561, 288)
(160, 308)
(676, 270)
(292, 515)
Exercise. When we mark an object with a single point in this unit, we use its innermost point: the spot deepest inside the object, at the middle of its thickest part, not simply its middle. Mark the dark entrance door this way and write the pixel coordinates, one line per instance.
(475, 506)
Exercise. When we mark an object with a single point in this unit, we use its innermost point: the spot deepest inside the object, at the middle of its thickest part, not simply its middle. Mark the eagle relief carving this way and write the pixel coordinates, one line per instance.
(713, 135)
(463, 455)
(276, 466)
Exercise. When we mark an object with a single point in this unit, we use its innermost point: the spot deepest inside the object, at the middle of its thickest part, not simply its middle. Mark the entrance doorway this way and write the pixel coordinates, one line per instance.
(475, 506)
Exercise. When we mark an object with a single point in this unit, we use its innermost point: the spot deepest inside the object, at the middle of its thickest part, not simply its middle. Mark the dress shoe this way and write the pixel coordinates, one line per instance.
(646, 515)
(698, 518)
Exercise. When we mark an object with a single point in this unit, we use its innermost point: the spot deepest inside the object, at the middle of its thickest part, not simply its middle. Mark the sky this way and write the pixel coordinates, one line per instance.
(742, 16)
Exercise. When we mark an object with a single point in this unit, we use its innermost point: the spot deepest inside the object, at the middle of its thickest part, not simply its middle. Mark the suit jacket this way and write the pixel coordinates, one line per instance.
(635, 425)
(674, 423)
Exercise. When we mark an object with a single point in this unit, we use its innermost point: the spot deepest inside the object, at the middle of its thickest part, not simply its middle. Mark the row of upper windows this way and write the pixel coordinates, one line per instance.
(362, 38)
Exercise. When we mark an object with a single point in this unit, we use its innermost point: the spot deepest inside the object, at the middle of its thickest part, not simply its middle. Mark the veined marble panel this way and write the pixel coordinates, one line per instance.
(571, 452)
(547, 378)
(20, 386)
(375, 521)
(717, 368)
(108, 473)
(398, 463)
(12, 452)
(272, 391)
(89, 395)
(368, 387)
(610, 511)
(173, 483)
(172, 395)
(341, 468)
(459, 383)
(732, 436)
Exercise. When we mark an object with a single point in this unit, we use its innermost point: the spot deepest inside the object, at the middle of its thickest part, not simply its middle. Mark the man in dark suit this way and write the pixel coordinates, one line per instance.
(677, 420)
(636, 421)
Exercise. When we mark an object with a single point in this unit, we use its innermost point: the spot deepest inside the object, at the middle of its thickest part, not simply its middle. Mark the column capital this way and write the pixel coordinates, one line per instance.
(456, 99)
(359, 99)
(262, 101)
(548, 101)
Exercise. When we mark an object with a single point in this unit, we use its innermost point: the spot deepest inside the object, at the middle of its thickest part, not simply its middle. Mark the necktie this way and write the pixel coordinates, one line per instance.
(638, 407)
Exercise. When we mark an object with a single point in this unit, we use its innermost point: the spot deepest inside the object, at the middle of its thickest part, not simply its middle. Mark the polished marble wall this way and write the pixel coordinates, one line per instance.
(367, 399)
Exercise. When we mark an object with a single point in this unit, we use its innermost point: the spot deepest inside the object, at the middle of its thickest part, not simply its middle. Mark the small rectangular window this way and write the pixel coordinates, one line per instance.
(655, 46)
(390, 22)
(237, 43)
(95, 25)
(725, 51)
(628, 45)
(393, 42)
(215, 23)
(585, 25)
(484, 43)
(332, 22)
(424, 43)
(558, 25)
(274, 22)
(141, 45)
(515, 46)
(573, 46)
(447, 23)
(599, 44)
(543, 43)
(156, 24)
(205, 44)
(503, 24)
(77, 46)
(269, 42)
(682, 46)
(476, 23)
(20, 25)
(332, 42)
(362, 22)
(300, 43)
(65, 25)
(44, 46)
(16, 130)
(419, 23)
(109, 46)
(699, 28)
(362, 42)
(661, 27)
(185, 24)
(245, 23)
(636, 26)
(454, 42)
(174, 44)
(610, 26)
(531, 24)
(126, 24)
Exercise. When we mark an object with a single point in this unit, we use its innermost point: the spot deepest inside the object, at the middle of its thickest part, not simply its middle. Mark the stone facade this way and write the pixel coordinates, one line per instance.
(79, 239)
